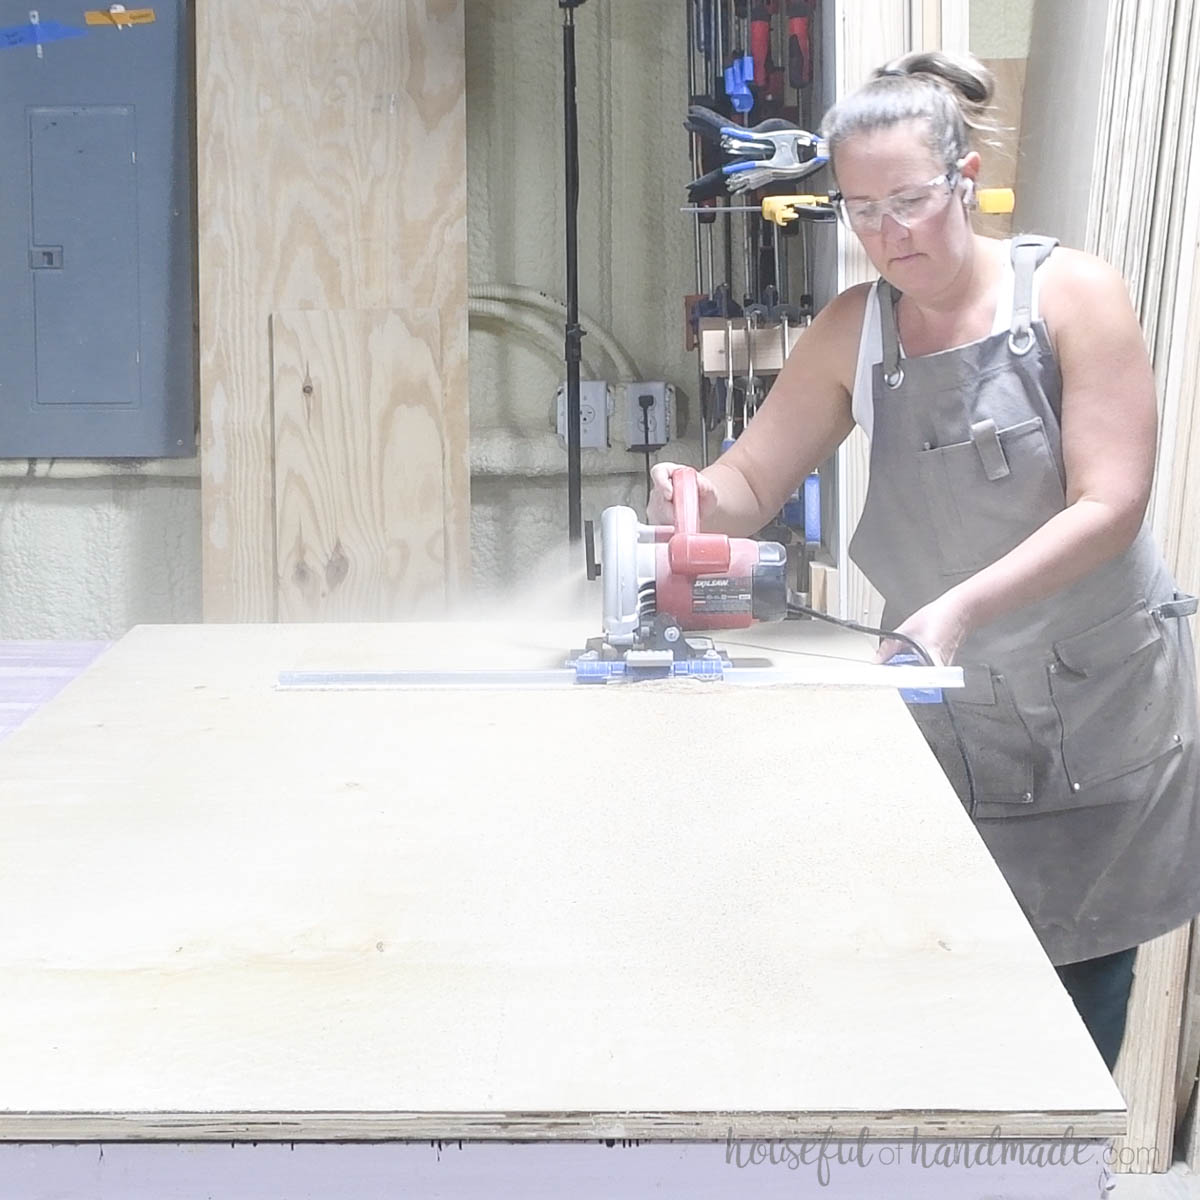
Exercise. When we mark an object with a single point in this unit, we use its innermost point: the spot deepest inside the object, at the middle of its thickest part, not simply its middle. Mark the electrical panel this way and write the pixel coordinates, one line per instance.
(97, 321)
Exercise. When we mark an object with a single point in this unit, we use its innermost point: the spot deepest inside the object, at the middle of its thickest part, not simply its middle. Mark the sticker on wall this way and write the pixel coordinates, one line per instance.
(117, 16)
(37, 33)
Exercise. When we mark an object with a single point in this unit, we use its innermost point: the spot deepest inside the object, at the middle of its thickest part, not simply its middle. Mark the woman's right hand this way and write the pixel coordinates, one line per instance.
(660, 509)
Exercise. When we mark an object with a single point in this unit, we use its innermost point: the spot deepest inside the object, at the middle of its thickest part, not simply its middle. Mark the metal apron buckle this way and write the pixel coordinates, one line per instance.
(1020, 341)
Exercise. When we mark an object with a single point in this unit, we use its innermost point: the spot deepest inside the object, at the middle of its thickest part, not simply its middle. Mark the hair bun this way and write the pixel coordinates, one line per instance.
(961, 73)
(951, 92)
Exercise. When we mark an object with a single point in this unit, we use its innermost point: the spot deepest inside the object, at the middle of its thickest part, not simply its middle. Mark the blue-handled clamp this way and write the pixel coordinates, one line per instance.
(927, 695)
(759, 154)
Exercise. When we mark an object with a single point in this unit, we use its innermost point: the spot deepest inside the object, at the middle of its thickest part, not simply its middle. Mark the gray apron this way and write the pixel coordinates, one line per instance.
(1076, 731)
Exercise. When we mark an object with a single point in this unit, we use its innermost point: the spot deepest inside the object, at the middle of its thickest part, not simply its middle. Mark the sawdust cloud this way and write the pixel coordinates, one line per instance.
(554, 588)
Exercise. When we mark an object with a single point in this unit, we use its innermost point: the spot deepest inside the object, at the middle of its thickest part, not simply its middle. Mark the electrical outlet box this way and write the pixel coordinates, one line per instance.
(648, 415)
(595, 408)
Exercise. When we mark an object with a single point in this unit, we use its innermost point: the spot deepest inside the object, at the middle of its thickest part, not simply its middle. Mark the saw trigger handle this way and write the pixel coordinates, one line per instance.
(689, 551)
(685, 499)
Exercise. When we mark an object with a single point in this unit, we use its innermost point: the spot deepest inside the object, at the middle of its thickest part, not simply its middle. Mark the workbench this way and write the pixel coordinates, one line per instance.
(473, 941)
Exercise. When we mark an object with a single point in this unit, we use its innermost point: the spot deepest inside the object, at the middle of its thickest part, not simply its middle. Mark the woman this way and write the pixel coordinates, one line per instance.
(1011, 410)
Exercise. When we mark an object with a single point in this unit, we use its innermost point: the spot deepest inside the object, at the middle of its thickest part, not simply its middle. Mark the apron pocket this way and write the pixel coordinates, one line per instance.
(988, 495)
(995, 742)
(1117, 692)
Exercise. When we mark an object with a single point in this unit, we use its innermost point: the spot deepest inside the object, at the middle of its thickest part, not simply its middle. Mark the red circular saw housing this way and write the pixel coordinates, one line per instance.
(709, 580)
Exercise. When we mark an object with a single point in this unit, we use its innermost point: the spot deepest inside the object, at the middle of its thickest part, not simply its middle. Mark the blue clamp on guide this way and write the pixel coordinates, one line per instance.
(927, 695)
(593, 671)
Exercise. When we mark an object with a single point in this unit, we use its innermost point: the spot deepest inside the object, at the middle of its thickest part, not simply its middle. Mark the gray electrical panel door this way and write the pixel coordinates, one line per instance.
(97, 307)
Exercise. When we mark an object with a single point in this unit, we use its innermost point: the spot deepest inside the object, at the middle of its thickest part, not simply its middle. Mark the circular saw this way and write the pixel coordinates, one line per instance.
(664, 583)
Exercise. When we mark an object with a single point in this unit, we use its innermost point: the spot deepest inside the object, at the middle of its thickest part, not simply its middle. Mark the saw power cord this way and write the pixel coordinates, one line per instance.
(803, 610)
(646, 402)
(924, 655)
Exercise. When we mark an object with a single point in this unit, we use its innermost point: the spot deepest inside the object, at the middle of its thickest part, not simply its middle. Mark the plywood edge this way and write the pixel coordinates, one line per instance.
(456, 462)
(1146, 1069)
(1081, 1126)
(1190, 1139)
(1189, 1040)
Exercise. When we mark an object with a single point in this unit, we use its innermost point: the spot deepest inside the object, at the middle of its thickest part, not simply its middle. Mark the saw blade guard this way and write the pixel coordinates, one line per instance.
(628, 571)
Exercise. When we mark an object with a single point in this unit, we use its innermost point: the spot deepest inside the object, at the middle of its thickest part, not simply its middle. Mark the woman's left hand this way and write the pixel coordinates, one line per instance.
(940, 627)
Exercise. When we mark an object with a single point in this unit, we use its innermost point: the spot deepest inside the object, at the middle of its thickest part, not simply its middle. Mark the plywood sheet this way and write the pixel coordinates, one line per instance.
(360, 483)
(34, 672)
(273, 914)
(760, 347)
(332, 175)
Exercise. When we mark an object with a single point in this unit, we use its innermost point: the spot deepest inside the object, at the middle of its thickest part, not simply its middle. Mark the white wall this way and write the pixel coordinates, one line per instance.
(635, 248)
(1000, 28)
(89, 558)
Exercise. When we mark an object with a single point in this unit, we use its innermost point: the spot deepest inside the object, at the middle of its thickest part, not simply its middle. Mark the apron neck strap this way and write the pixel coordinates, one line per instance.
(893, 374)
(1028, 253)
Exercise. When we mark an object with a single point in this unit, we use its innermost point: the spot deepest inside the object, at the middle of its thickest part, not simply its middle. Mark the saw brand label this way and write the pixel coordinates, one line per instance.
(719, 594)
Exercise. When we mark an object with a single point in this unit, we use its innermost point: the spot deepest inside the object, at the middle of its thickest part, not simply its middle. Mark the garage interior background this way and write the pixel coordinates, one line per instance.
(91, 548)
(318, 254)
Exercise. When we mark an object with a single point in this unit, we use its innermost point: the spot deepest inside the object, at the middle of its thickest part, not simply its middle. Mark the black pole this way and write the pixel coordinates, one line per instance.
(574, 335)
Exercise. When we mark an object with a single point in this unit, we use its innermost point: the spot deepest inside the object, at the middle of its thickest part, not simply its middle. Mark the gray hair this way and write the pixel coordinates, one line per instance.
(951, 94)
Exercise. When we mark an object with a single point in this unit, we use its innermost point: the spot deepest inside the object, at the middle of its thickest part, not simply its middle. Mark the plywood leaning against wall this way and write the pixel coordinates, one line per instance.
(332, 177)
(360, 489)
(1143, 217)
(1177, 498)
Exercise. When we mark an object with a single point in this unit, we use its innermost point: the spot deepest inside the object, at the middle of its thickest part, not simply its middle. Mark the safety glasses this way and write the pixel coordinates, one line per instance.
(906, 208)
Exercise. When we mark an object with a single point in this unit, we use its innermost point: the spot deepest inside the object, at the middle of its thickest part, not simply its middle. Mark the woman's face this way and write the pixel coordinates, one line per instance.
(900, 203)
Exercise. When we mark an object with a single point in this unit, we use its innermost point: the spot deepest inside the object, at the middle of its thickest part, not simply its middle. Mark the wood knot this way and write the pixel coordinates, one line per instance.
(337, 568)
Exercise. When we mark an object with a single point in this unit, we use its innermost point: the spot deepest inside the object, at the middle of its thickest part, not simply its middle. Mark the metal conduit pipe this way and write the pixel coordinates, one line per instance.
(517, 294)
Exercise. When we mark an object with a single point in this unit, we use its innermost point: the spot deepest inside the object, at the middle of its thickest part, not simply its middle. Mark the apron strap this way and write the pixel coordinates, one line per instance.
(1182, 606)
(1029, 251)
(893, 372)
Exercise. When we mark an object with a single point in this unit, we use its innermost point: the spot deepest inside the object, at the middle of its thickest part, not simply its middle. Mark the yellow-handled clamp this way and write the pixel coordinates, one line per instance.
(782, 210)
(996, 200)
(785, 209)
